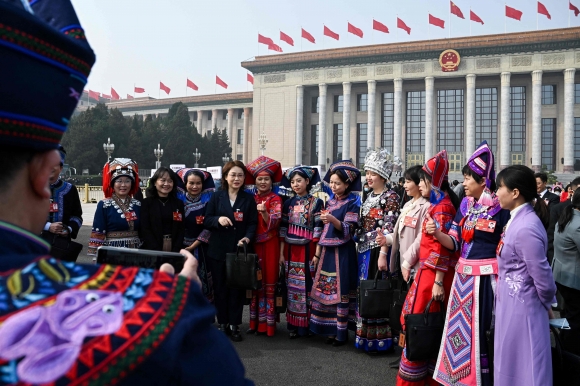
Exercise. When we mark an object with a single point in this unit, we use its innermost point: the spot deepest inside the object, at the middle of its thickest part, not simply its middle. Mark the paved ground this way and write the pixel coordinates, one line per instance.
(304, 361)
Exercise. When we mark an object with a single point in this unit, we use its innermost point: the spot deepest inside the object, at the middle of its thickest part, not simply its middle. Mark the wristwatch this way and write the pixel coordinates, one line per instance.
(439, 283)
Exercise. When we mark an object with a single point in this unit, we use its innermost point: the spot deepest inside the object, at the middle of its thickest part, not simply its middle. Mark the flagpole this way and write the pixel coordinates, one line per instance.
(504, 18)
(301, 38)
(469, 21)
(537, 20)
(397, 27)
(428, 26)
(449, 21)
(569, 13)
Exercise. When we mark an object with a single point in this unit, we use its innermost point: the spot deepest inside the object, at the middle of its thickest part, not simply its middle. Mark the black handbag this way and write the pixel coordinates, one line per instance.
(375, 298)
(565, 365)
(281, 293)
(63, 248)
(399, 296)
(243, 270)
(423, 333)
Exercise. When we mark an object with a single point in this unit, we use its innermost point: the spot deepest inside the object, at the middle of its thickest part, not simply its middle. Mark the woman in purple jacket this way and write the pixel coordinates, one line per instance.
(525, 287)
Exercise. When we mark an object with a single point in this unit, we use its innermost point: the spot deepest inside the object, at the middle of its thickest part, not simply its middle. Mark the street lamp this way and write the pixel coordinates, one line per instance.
(262, 141)
(225, 158)
(109, 148)
(158, 153)
(197, 156)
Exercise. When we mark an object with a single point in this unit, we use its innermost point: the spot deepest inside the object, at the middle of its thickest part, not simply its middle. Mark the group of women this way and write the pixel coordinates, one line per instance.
(483, 259)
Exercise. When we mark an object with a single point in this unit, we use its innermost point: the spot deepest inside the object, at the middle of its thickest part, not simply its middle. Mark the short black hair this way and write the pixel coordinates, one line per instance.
(575, 183)
(412, 174)
(542, 176)
(401, 180)
(12, 161)
(151, 190)
(467, 171)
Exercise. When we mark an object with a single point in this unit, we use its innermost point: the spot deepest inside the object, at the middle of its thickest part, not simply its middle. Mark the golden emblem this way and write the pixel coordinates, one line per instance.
(449, 60)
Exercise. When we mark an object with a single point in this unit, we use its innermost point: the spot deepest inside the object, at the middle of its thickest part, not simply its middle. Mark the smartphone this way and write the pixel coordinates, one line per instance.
(141, 258)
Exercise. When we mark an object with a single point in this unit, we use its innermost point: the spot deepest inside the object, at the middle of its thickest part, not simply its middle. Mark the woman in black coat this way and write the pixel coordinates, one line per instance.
(162, 214)
(232, 217)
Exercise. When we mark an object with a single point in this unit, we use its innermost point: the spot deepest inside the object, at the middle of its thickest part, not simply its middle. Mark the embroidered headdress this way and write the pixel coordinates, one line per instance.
(120, 167)
(62, 154)
(44, 65)
(348, 171)
(380, 162)
(482, 163)
(261, 165)
(207, 182)
(303, 171)
(437, 168)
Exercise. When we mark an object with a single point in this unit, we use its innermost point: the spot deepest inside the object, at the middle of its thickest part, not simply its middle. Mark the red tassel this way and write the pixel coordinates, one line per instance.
(107, 181)
(466, 234)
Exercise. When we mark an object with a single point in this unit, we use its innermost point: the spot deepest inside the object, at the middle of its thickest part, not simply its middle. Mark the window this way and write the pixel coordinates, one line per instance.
(518, 119)
(239, 157)
(415, 122)
(315, 105)
(450, 120)
(209, 115)
(388, 121)
(225, 115)
(362, 102)
(549, 94)
(362, 145)
(337, 141)
(577, 93)
(240, 137)
(240, 114)
(549, 143)
(314, 143)
(576, 144)
(195, 115)
(486, 117)
(338, 103)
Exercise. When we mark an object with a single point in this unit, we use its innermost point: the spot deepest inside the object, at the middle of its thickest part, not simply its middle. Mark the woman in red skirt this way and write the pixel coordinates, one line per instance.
(264, 172)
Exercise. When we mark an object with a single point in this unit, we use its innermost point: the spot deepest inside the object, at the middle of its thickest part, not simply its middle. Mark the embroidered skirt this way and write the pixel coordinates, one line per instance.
(299, 273)
(122, 239)
(263, 315)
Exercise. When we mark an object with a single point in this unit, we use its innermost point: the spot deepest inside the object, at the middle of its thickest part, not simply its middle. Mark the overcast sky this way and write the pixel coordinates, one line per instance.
(143, 42)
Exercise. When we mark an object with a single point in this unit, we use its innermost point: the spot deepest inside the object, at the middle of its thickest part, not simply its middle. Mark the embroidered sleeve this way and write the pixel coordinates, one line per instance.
(440, 258)
(318, 225)
(204, 236)
(275, 213)
(455, 231)
(391, 212)
(99, 231)
(284, 219)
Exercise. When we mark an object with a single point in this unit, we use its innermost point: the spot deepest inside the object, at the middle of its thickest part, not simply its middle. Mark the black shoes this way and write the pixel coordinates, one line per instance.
(395, 364)
(236, 336)
(338, 343)
(225, 328)
(251, 331)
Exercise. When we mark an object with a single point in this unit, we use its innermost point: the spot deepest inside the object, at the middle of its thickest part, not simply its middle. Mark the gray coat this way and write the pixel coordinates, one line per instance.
(566, 262)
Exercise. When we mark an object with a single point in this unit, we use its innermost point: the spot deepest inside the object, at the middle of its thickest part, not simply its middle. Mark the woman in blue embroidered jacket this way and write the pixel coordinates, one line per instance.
(334, 288)
(299, 233)
(116, 222)
(475, 233)
(379, 210)
(199, 186)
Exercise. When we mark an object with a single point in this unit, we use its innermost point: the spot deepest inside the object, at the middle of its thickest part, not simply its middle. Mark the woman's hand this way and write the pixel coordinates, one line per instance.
(189, 267)
(382, 266)
(244, 240)
(56, 227)
(430, 226)
(406, 274)
(261, 207)
(282, 260)
(326, 217)
(551, 313)
(438, 292)
(315, 260)
(381, 240)
(225, 221)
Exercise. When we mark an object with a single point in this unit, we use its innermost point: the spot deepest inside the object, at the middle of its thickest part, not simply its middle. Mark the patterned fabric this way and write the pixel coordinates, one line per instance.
(482, 163)
(303, 171)
(388, 202)
(58, 192)
(266, 231)
(263, 164)
(299, 270)
(263, 315)
(437, 168)
(120, 167)
(348, 171)
(346, 210)
(432, 253)
(207, 184)
(301, 222)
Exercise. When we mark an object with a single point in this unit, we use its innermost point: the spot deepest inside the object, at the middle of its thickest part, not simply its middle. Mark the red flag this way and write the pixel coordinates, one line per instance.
(513, 13)
(164, 88)
(572, 7)
(191, 85)
(275, 47)
(542, 10)
(129, 96)
(355, 31)
(265, 40)
(456, 11)
(250, 78)
(220, 82)
(114, 94)
(380, 26)
(94, 94)
(306, 35)
(401, 24)
(436, 21)
(139, 90)
(330, 34)
(286, 38)
(106, 96)
(474, 17)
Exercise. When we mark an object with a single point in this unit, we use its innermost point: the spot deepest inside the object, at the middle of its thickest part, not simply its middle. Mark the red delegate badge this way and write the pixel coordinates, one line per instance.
(177, 216)
(376, 213)
(410, 222)
(53, 207)
(485, 225)
(199, 220)
(130, 216)
(238, 216)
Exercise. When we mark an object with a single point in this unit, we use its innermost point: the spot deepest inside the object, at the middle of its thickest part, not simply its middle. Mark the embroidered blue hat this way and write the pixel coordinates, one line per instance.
(303, 171)
(62, 153)
(44, 64)
(348, 172)
(207, 182)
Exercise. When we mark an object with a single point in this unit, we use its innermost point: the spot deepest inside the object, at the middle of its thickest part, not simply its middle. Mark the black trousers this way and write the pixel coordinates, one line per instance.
(228, 302)
(571, 338)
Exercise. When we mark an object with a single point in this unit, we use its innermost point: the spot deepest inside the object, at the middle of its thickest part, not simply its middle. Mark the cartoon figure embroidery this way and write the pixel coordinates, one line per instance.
(50, 338)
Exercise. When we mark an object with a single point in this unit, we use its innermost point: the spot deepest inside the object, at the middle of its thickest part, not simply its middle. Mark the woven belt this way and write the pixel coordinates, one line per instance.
(477, 267)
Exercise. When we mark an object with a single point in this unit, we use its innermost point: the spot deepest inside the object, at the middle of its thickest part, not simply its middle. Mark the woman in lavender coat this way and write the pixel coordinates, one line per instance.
(525, 287)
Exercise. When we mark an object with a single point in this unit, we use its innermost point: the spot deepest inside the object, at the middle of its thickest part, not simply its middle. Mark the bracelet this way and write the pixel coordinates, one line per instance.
(383, 253)
(439, 283)
(318, 257)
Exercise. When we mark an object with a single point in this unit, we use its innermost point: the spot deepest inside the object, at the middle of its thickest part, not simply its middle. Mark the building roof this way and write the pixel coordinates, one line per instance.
(531, 41)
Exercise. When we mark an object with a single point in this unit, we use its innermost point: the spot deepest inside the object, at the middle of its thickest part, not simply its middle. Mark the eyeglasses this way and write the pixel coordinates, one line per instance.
(234, 176)
(122, 182)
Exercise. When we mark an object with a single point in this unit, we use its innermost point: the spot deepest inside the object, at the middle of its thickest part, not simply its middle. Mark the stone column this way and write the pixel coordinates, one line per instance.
(537, 120)
(214, 114)
(346, 96)
(231, 135)
(398, 120)
(429, 97)
(199, 120)
(505, 119)
(299, 123)
(372, 92)
(322, 126)
(246, 140)
(569, 120)
(470, 116)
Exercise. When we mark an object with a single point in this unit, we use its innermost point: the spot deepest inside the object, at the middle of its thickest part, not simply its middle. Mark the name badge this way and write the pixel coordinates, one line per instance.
(299, 208)
(376, 213)
(402, 339)
(410, 222)
(130, 216)
(53, 207)
(499, 248)
(199, 220)
(177, 216)
(485, 225)
(239, 216)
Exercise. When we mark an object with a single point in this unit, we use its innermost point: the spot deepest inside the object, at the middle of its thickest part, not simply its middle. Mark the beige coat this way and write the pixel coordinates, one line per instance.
(410, 239)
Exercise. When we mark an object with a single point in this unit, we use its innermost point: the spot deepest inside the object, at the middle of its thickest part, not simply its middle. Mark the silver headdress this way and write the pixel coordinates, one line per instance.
(379, 161)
